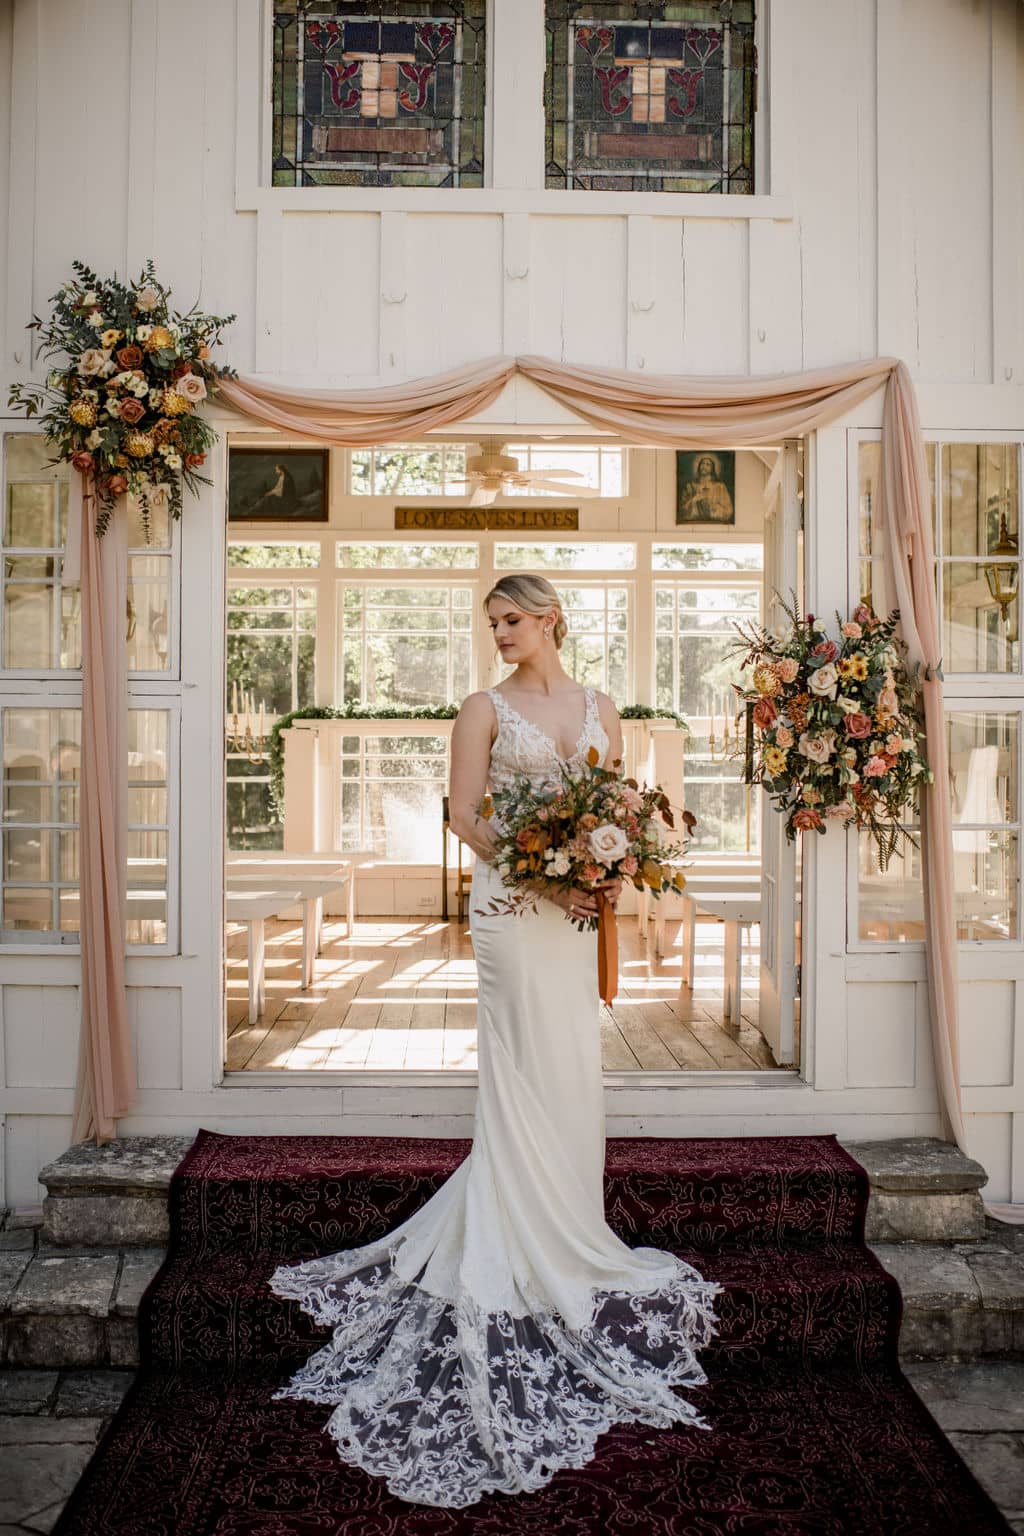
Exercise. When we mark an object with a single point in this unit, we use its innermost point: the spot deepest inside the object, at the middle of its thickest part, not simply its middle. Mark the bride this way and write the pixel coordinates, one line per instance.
(488, 1340)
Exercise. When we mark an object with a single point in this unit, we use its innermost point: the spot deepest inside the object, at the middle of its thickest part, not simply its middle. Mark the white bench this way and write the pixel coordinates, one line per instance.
(251, 899)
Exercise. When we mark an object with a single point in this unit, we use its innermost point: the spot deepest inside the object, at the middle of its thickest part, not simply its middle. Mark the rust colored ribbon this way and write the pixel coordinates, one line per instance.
(607, 949)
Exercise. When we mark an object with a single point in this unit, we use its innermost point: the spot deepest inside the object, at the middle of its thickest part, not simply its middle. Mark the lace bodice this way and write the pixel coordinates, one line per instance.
(524, 747)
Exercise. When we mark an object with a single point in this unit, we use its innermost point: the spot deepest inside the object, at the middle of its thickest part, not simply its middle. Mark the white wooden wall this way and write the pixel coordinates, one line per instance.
(888, 220)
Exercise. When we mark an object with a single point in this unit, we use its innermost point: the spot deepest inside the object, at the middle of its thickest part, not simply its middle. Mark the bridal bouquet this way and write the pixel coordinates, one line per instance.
(591, 827)
(839, 722)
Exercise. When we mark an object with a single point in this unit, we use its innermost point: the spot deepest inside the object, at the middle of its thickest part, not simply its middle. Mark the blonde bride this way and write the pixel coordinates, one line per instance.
(488, 1340)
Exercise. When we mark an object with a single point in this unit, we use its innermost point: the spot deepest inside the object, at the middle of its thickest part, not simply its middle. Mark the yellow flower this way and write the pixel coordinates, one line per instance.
(110, 338)
(774, 761)
(766, 681)
(173, 403)
(138, 444)
(158, 339)
(858, 667)
(679, 880)
(83, 413)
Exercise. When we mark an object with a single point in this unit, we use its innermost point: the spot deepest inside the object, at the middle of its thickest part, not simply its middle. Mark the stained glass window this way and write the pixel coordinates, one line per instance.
(648, 97)
(379, 95)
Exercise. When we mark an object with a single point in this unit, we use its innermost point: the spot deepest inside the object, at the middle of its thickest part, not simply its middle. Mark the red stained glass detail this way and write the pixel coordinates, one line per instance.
(688, 81)
(611, 99)
(419, 76)
(337, 74)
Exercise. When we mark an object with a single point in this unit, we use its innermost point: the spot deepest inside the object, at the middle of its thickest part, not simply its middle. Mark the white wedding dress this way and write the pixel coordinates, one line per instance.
(489, 1339)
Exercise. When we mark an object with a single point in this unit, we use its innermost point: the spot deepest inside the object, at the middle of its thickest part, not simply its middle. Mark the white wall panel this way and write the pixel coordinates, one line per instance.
(715, 319)
(987, 1032)
(29, 1143)
(453, 287)
(40, 1027)
(990, 1141)
(154, 1016)
(578, 311)
(329, 301)
(882, 1022)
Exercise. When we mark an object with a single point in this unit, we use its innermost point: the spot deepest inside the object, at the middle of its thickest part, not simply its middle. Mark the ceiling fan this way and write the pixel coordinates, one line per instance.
(491, 472)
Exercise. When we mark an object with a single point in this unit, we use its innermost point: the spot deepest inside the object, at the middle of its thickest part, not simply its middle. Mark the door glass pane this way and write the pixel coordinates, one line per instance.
(979, 635)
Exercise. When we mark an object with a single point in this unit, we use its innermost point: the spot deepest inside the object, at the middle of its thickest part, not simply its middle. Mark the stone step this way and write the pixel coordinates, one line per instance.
(62, 1307)
(961, 1301)
(921, 1190)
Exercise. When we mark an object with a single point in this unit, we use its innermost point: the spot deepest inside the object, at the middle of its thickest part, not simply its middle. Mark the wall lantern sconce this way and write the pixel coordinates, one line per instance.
(1002, 573)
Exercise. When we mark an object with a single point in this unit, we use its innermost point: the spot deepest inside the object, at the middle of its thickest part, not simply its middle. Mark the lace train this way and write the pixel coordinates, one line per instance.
(447, 1402)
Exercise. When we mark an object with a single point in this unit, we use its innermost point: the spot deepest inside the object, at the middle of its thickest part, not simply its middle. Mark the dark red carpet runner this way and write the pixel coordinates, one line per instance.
(816, 1430)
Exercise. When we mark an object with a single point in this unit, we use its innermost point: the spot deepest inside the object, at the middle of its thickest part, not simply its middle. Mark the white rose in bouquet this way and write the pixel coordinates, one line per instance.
(824, 682)
(608, 843)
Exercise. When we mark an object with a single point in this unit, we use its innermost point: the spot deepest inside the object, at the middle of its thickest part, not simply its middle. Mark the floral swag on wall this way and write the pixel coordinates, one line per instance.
(123, 408)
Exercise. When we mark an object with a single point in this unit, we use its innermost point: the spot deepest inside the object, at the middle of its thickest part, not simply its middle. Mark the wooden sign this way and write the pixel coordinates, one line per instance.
(429, 519)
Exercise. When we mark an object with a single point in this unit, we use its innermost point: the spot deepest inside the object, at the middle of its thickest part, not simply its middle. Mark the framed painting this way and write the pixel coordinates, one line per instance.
(278, 485)
(706, 486)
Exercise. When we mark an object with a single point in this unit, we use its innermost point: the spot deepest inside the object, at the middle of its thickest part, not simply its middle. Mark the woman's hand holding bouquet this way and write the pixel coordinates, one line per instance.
(578, 841)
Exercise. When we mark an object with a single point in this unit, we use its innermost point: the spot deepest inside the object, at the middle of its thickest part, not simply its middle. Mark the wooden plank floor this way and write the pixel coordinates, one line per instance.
(402, 994)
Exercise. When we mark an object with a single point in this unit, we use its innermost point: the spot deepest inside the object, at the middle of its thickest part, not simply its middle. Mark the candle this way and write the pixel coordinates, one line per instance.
(263, 720)
(247, 695)
(234, 697)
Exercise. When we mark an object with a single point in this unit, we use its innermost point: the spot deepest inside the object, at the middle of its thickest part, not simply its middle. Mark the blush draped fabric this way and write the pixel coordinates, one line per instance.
(678, 412)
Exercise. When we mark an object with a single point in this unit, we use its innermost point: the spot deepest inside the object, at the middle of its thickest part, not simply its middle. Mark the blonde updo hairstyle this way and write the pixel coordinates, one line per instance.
(533, 594)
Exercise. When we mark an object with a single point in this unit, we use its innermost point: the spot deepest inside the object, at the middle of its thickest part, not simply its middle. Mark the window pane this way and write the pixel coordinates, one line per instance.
(149, 598)
(891, 904)
(979, 487)
(983, 770)
(566, 557)
(405, 644)
(270, 555)
(642, 102)
(391, 789)
(401, 556)
(40, 865)
(871, 534)
(707, 557)
(392, 95)
(978, 635)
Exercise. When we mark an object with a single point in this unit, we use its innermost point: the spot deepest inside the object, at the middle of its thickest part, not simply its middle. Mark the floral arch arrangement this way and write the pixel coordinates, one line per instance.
(838, 724)
(123, 407)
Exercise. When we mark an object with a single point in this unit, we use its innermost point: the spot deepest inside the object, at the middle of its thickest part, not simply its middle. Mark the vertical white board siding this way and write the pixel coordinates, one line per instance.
(20, 209)
(834, 106)
(990, 1139)
(6, 67)
(516, 42)
(578, 313)
(935, 215)
(154, 1014)
(715, 297)
(453, 286)
(987, 1011)
(776, 303)
(656, 334)
(181, 142)
(40, 1027)
(516, 277)
(883, 1023)
(81, 151)
(29, 1143)
(329, 300)
(228, 266)
(140, 231)
(1007, 191)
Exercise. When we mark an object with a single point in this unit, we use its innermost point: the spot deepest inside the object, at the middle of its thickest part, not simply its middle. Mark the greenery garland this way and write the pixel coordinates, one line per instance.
(124, 407)
(275, 748)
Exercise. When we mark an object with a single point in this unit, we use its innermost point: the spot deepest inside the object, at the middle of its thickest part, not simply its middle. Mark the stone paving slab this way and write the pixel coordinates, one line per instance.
(930, 1279)
(997, 1461)
(72, 1286)
(12, 1267)
(137, 1270)
(973, 1396)
(91, 1394)
(27, 1391)
(43, 1460)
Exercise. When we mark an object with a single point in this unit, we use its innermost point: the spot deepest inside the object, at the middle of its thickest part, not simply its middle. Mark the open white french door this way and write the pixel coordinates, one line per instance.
(778, 987)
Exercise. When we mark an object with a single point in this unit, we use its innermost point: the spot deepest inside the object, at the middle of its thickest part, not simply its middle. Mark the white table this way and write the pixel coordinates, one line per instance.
(268, 869)
(737, 910)
(251, 900)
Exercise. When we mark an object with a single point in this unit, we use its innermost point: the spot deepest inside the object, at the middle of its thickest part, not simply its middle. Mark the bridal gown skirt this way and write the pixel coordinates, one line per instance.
(489, 1339)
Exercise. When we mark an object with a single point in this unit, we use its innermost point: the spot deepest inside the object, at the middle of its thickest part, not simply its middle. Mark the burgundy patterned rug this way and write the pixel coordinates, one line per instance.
(816, 1431)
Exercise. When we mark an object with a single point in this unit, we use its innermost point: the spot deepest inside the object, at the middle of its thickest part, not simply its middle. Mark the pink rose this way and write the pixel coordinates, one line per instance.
(826, 649)
(851, 632)
(765, 714)
(806, 819)
(875, 768)
(784, 737)
(844, 811)
(192, 388)
(862, 615)
(592, 872)
(787, 669)
(894, 743)
(858, 726)
(629, 865)
(82, 461)
(131, 411)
